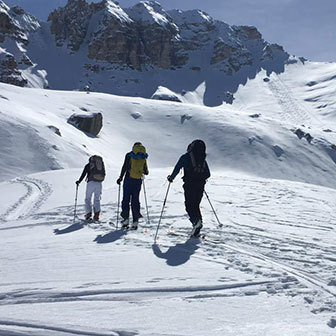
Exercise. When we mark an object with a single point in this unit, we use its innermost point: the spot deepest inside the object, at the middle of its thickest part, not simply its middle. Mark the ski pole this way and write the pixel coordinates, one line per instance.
(144, 188)
(118, 206)
(164, 203)
(75, 211)
(219, 223)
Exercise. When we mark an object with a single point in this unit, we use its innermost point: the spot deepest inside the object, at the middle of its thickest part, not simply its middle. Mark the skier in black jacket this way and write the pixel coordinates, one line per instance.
(196, 172)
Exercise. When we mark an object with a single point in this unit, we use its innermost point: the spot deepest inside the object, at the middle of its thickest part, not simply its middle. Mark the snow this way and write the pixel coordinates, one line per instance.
(162, 93)
(117, 12)
(187, 17)
(148, 11)
(3, 8)
(270, 270)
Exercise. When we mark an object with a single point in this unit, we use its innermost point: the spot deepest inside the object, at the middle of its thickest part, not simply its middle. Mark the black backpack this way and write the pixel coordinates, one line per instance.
(97, 168)
(197, 154)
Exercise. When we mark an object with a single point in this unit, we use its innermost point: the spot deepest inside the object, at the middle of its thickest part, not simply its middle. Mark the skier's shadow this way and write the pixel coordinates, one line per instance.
(71, 228)
(179, 254)
(110, 237)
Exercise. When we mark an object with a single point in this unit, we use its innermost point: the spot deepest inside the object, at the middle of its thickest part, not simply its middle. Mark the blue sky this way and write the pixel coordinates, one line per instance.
(304, 27)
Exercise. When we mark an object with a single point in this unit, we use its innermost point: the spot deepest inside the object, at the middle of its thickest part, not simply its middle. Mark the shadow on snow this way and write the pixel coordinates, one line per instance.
(179, 254)
(110, 237)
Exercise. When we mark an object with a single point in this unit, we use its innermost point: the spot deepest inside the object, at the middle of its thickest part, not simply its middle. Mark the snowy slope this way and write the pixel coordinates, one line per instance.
(268, 271)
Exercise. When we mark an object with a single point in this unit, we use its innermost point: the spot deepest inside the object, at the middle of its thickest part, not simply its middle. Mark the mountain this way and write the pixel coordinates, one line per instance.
(269, 269)
(133, 51)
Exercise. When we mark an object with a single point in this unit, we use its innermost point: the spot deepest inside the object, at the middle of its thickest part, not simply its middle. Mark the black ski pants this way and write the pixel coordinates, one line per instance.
(193, 193)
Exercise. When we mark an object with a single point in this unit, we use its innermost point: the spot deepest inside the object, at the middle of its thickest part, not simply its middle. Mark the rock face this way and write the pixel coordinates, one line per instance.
(9, 72)
(70, 24)
(146, 35)
(132, 51)
(88, 123)
(15, 24)
(15, 27)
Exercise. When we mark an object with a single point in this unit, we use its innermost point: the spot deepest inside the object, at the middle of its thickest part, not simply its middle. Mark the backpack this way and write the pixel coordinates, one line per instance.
(137, 161)
(97, 168)
(197, 154)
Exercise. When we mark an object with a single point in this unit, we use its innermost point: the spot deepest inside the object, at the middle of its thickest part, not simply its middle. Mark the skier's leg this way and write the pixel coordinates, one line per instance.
(88, 196)
(135, 203)
(198, 192)
(125, 204)
(189, 201)
(96, 200)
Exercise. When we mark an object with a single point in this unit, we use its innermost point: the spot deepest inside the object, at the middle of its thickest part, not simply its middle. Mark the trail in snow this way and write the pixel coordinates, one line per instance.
(37, 193)
(292, 111)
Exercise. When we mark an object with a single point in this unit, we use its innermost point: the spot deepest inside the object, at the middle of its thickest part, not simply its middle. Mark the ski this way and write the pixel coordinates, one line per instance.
(202, 236)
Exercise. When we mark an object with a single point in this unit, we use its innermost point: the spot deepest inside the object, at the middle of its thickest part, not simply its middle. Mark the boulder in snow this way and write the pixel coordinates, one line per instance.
(162, 93)
(91, 123)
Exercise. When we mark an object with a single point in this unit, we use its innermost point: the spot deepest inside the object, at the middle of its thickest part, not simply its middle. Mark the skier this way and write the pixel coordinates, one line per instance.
(196, 171)
(94, 172)
(134, 168)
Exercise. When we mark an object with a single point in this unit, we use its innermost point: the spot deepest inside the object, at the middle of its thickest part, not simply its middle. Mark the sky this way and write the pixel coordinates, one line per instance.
(304, 27)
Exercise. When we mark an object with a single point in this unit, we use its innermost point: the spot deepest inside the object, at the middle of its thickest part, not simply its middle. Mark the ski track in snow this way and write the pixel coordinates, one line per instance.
(284, 247)
(37, 193)
(27, 329)
(289, 252)
(292, 111)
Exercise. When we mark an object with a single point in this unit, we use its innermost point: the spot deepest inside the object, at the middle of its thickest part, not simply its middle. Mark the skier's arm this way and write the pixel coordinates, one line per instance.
(207, 171)
(125, 166)
(179, 165)
(145, 169)
(84, 173)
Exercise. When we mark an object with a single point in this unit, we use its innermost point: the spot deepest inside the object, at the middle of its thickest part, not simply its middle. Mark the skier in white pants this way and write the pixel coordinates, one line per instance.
(94, 172)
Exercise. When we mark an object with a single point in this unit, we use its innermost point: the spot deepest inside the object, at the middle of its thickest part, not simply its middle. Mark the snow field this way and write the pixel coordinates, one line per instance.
(268, 271)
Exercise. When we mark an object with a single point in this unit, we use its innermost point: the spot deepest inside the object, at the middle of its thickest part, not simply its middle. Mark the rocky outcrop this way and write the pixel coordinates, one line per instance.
(15, 24)
(136, 38)
(250, 32)
(9, 72)
(91, 123)
(231, 57)
(70, 24)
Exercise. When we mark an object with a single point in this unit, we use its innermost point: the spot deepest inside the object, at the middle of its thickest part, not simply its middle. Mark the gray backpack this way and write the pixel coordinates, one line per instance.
(97, 168)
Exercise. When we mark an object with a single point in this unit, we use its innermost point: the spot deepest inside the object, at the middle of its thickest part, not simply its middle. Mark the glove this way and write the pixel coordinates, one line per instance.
(77, 182)
(119, 180)
(169, 179)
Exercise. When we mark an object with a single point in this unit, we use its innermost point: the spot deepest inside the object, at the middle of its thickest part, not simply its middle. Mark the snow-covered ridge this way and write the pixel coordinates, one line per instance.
(190, 17)
(148, 12)
(117, 12)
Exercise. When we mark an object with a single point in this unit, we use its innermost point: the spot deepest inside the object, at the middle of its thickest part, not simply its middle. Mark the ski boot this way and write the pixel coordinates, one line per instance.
(124, 223)
(88, 216)
(195, 232)
(134, 225)
(96, 216)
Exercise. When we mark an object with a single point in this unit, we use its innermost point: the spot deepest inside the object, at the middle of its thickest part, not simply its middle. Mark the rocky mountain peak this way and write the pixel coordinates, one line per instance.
(15, 23)
(149, 12)
(70, 23)
(114, 11)
(190, 17)
(107, 43)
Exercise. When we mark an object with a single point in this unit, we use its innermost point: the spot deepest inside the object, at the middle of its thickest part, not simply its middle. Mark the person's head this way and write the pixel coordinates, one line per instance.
(138, 148)
(198, 148)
